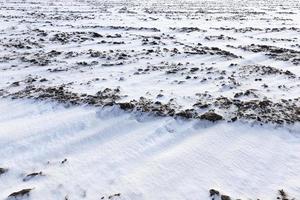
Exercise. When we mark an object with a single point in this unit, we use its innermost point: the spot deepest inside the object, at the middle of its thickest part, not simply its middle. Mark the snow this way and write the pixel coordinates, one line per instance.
(87, 152)
(109, 151)
(67, 17)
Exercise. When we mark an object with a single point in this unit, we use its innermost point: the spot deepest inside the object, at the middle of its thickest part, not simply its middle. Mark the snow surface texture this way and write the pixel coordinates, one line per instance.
(109, 152)
(238, 59)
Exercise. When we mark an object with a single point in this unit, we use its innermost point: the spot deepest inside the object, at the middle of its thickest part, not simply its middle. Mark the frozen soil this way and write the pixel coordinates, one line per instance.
(238, 60)
(149, 100)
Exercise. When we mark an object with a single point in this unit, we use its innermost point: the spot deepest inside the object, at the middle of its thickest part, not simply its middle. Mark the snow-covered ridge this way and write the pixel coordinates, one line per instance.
(88, 153)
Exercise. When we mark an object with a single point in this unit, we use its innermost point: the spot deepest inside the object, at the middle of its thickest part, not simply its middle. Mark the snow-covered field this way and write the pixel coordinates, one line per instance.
(149, 99)
(172, 57)
(141, 157)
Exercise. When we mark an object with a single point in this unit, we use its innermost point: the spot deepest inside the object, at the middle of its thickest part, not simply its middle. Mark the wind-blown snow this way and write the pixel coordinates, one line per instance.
(109, 151)
(233, 60)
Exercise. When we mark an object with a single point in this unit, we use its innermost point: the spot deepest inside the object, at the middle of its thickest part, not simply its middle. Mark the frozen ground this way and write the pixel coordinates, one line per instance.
(236, 58)
(120, 90)
(141, 157)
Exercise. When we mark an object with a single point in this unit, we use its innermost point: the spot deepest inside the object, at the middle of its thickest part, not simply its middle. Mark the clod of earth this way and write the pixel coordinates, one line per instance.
(211, 116)
(64, 161)
(3, 170)
(114, 195)
(213, 192)
(126, 106)
(32, 175)
(282, 195)
(21, 193)
(225, 197)
(216, 195)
